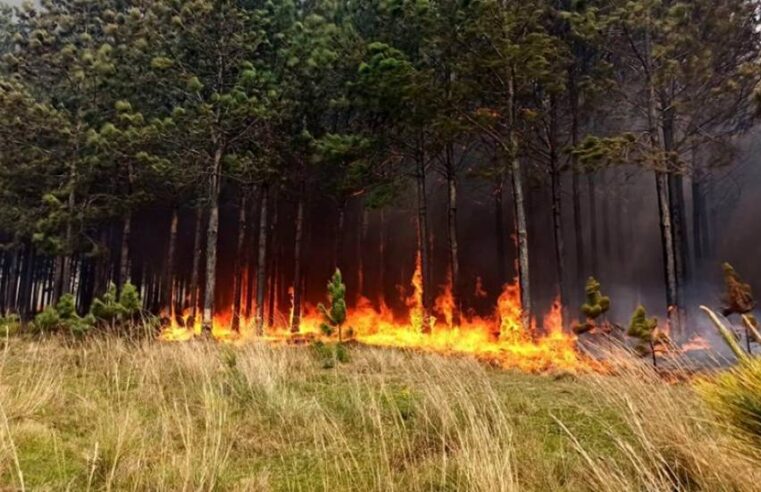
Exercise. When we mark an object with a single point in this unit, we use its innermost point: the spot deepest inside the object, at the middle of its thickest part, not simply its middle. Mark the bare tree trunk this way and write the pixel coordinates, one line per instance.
(195, 273)
(606, 235)
(298, 243)
(423, 244)
(251, 257)
(212, 232)
(662, 191)
(169, 274)
(239, 264)
(594, 251)
(10, 293)
(340, 223)
(557, 210)
(520, 213)
(581, 267)
(275, 253)
(382, 258)
(361, 243)
(124, 266)
(261, 260)
(499, 229)
(454, 258)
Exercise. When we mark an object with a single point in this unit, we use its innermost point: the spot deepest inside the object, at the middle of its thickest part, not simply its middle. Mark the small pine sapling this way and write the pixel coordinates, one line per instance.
(596, 307)
(64, 316)
(738, 299)
(335, 315)
(646, 331)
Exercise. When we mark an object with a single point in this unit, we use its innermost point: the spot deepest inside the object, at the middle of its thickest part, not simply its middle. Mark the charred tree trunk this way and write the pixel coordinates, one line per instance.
(169, 284)
(454, 256)
(261, 260)
(423, 244)
(196, 269)
(297, 266)
(238, 270)
(212, 233)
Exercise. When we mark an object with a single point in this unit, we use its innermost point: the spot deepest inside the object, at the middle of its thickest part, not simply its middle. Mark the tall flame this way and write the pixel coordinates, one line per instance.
(501, 339)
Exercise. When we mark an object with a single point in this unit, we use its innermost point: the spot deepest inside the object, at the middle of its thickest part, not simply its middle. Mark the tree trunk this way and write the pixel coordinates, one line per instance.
(676, 211)
(454, 257)
(499, 229)
(520, 212)
(382, 259)
(261, 260)
(298, 243)
(212, 232)
(275, 253)
(361, 244)
(124, 266)
(557, 210)
(594, 251)
(699, 217)
(251, 258)
(238, 270)
(10, 293)
(340, 223)
(195, 273)
(169, 284)
(573, 95)
(423, 244)
(606, 234)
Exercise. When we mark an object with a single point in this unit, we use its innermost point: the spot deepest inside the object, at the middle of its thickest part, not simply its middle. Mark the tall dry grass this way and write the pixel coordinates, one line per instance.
(110, 414)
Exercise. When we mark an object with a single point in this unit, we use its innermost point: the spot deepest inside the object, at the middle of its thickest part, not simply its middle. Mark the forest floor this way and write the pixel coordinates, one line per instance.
(110, 414)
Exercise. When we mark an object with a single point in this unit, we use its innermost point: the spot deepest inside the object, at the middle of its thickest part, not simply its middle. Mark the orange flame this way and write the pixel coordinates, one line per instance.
(501, 339)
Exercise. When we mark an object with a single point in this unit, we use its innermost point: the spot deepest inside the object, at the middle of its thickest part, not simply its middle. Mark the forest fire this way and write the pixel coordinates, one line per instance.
(501, 339)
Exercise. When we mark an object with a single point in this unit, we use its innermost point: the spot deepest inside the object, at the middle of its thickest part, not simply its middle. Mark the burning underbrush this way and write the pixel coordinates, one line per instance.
(501, 340)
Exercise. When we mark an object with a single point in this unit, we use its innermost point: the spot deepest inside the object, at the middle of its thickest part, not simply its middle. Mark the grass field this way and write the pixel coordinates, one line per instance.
(109, 414)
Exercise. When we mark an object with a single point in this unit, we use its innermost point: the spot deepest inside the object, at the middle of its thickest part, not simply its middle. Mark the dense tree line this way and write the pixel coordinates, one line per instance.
(130, 129)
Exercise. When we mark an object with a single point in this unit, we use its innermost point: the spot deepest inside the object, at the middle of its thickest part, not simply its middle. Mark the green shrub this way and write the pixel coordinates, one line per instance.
(735, 398)
(9, 325)
(108, 309)
(328, 355)
(63, 317)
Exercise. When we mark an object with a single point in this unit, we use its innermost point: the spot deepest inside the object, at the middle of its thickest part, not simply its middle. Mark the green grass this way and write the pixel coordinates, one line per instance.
(107, 414)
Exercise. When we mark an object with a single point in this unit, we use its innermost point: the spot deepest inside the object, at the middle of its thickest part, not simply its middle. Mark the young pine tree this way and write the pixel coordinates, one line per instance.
(335, 314)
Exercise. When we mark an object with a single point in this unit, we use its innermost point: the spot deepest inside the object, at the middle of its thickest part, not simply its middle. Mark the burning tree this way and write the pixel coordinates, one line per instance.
(335, 315)
(596, 306)
(738, 299)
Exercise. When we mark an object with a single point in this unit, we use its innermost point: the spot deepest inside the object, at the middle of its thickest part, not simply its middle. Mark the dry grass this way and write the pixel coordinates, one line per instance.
(114, 415)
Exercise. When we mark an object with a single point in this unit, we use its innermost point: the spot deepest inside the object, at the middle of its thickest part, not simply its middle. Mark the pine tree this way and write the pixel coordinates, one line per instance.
(335, 314)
